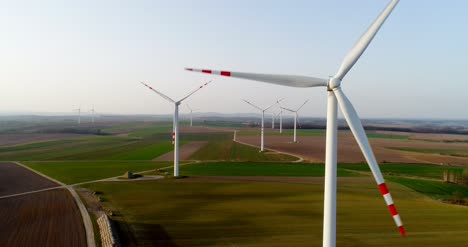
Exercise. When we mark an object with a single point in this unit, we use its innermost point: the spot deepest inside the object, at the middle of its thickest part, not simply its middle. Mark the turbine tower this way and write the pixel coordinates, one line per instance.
(191, 113)
(295, 118)
(336, 97)
(280, 116)
(92, 114)
(263, 122)
(79, 114)
(175, 133)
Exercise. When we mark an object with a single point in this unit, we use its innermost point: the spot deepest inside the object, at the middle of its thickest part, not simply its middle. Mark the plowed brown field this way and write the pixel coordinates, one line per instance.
(313, 148)
(49, 218)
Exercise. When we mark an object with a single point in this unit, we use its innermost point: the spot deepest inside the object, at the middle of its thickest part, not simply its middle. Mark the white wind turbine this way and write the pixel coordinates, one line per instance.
(92, 114)
(280, 115)
(336, 97)
(274, 115)
(191, 113)
(79, 114)
(263, 122)
(295, 118)
(175, 133)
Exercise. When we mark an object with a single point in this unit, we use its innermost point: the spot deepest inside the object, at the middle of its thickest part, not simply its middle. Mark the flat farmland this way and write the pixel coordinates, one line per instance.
(269, 211)
(49, 218)
(386, 148)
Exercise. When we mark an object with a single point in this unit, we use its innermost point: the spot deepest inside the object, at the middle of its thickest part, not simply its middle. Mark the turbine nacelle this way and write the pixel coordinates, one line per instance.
(333, 83)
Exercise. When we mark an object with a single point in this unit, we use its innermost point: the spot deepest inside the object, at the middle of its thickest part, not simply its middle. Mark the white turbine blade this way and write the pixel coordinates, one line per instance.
(356, 127)
(194, 91)
(287, 109)
(266, 109)
(361, 45)
(302, 105)
(285, 80)
(156, 91)
(190, 109)
(253, 105)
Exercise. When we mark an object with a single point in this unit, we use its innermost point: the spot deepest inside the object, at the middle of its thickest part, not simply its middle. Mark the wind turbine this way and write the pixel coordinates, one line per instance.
(92, 114)
(191, 114)
(79, 114)
(175, 133)
(336, 97)
(273, 114)
(280, 115)
(295, 118)
(263, 122)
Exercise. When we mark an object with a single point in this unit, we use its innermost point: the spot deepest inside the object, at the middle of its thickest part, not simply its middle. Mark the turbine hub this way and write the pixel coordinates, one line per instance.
(333, 83)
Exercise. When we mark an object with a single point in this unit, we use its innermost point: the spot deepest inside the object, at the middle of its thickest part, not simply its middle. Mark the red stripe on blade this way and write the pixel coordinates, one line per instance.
(225, 73)
(383, 188)
(392, 210)
(402, 231)
(206, 71)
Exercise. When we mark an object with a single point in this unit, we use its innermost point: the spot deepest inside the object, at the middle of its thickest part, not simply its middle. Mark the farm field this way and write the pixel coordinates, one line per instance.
(223, 212)
(387, 148)
(49, 218)
(71, 172)
(226, 183)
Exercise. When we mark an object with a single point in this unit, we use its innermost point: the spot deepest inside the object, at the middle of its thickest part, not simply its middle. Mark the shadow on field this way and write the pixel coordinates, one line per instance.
(148, 235)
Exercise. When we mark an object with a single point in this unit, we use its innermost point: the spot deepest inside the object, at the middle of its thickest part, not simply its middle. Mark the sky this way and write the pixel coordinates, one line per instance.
(56, 56)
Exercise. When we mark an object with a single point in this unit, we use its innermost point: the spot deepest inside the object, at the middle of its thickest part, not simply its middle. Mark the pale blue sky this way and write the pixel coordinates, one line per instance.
(56, 55)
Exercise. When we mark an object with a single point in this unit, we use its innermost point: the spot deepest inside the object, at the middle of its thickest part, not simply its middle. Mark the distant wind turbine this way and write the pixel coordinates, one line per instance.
(336, 97)
(280, 115)
(92, 114)
(175, 133)
(191, 113)
(295, 117)
(263, 122)
(79, 114)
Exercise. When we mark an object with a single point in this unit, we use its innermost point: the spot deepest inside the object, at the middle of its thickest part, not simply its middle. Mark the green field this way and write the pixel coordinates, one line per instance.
(71, 172)
(451, 152)
(386, 136)
(258, 169)
(229, 150)
(423, 171)
(224, 213)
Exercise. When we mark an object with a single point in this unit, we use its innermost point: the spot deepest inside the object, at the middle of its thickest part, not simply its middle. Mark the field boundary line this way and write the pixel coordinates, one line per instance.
(87, 224)
(299, 158)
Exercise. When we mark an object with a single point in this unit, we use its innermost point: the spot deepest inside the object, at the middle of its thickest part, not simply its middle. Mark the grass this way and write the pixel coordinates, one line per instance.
(91, 148)
(433, 189)
(189, 213)
(450, 152)
(423, 171)
(257, 169)
(229, 150)
(71, 172)
(386, 136)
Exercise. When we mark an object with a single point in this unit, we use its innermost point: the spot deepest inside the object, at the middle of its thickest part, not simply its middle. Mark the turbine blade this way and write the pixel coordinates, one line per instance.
(287, 109)
(266, 109)
(285, 80)
(190, 109)
(355, 125)
(156, 91)
(194, 91)
(361, 45)
(253, 105)
(302, 105)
